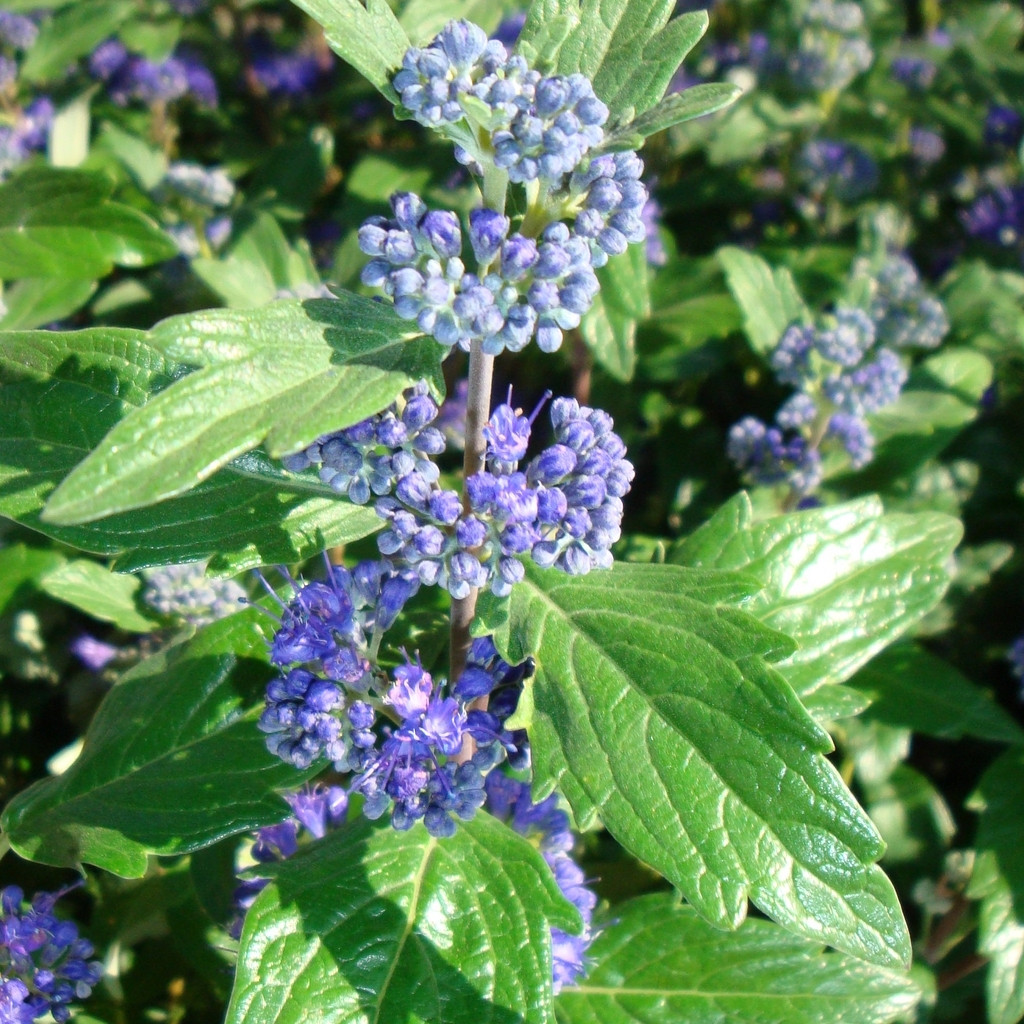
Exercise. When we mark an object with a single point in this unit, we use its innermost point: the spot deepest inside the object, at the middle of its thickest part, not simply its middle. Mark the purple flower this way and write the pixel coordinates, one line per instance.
(94, 654)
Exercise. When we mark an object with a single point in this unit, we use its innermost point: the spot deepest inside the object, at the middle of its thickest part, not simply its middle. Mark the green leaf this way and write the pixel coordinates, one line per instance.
(59, 222)
(69, 134)
(769, 298)
(368, 37)
(344, 360)
(657, 962)
(913, 689)
(423, 19)
(105, 595)
(694, 102)
(373, 924)
(844, 582)
(942, 397)
(629, 49)
(609, 329)
(72, 32)
(999, 882)
(21, 564)
(172, 761)
(35, 301)
(654, 709)
(62, 392)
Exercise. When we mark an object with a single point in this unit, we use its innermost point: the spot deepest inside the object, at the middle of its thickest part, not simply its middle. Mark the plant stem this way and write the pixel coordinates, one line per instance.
(478, 409)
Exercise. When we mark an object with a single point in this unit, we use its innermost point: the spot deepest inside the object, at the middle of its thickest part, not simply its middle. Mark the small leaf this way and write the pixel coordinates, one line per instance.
(59, 222)
(344, 360)
(172, 761)
(609, 329)
(769, 298)
(62, 392)
(999, 882)
(697, 101)
(105, 595)
(843, 582)
(368, 37)
(910, 688)
(373, 924)
(74, 31)
(657, 961)
(645, 691)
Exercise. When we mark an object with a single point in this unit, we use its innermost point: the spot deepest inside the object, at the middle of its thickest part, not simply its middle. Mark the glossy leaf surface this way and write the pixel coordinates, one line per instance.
(654, 710)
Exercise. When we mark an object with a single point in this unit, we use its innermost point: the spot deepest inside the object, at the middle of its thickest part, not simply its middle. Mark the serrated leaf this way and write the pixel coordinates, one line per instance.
(367, 36)
(843, 582)
(59, 222)
(105, 595)
(609, 328)
(74, 31)
(62, 392)
(910, 688)
(344, 359)
(370, 924)
(769, 298)
(999, 882)
(697, 101)
(629, 49)
(654, 709)
(657, 962)
(172, 761)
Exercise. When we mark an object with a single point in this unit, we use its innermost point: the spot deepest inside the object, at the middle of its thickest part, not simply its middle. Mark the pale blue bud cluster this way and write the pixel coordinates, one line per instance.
(505, 287)
(843, 369)
(833, 47)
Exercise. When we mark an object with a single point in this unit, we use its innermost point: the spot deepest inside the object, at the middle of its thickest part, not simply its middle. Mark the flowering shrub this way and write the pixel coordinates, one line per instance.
(482, 506)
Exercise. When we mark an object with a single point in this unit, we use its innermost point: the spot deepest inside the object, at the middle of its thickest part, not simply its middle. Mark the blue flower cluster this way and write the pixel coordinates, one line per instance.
(184, 592)
(399, 737)
(1015, 656)
(27, 134)
(539, 131)
(286, 74)
(548, 826)
(842, 369)
(316, 810)
(131, 77)
(565, 509)
(997, 219)
(827, 167)
(44, 965)
(208, 186)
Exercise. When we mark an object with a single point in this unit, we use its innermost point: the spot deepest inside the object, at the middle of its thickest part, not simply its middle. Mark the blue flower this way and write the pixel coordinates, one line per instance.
(44, 965)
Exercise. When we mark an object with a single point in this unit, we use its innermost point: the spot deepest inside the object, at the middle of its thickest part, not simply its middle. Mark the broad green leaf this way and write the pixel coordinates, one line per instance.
(145, 163)
(341, 361)
(154, 39)
(367, 36)
(910, 687)
(35, 301)
(942, 397)
(769, 298)
(843, 582)
(697, 101)
(999, 883)
(657, 962)
(105, 595)
(655, 711)
(369, 924)
(172, 761)
(609, 329)
(62, 392)
(71, 33)
(20, 565)
(59, 222)
(69, 134)
(629, 49)
(293, 174)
